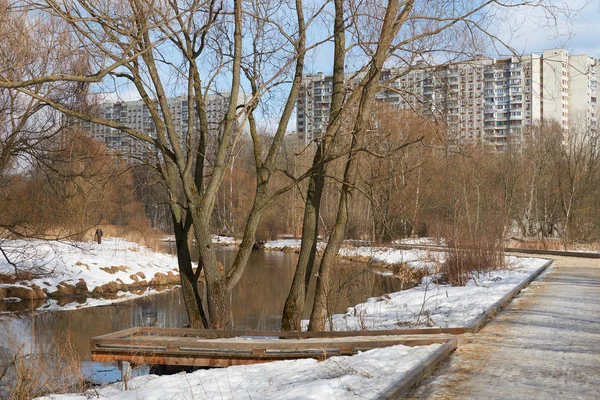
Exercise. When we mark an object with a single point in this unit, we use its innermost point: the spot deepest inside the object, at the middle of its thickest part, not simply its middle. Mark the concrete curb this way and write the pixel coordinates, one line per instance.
(399, 389)
(500, 304)
(560, 253)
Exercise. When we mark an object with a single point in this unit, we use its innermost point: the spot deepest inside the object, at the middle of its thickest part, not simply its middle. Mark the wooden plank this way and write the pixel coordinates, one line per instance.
(476, 325)
(157, 343)
(219, 352)
(211, 359)
(120, 334)
(283, 334)
(400, 388)
(180, 361)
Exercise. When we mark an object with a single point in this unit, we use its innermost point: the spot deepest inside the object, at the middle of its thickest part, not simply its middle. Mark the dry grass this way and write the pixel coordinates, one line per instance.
(408, 276)
(26, 373)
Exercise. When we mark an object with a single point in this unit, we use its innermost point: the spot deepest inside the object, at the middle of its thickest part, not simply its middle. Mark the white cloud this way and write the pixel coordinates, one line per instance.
(572, 26)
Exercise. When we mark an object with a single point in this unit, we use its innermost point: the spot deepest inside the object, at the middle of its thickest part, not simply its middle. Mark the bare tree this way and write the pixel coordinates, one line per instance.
(196, 44)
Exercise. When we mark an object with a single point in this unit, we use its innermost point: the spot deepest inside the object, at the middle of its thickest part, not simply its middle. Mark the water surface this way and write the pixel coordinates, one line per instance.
(257, 302)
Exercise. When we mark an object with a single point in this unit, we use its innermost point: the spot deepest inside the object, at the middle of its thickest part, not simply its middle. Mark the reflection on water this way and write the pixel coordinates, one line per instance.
(257, 302)
(63, 336)
(258, 299)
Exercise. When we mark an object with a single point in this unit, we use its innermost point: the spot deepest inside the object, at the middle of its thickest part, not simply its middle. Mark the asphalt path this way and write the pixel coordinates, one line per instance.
(544, 345)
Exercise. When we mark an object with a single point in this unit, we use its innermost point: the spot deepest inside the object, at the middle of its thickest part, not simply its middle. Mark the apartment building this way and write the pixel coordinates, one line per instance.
(583, 90)
(493, 101)
(136, 114)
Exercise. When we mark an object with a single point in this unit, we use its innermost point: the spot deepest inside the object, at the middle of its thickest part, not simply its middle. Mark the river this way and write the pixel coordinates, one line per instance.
(257, 302)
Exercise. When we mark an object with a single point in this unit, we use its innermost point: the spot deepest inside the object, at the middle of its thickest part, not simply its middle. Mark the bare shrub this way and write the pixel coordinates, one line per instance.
(463, 261)
(473, 222)
(407, 275)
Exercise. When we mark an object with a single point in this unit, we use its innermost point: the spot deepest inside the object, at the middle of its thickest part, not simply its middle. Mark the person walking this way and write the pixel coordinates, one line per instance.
(98, 235)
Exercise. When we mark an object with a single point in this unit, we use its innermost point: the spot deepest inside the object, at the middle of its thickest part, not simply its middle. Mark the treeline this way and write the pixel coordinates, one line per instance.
(64, 187)
(546, 189)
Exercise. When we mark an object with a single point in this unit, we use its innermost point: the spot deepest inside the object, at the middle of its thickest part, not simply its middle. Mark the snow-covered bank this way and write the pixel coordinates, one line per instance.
(86, 268)
(383, 256)
(431, 304)
(226, 240)
(420, 241)
(287, 245)
(218, 239)
(362, 376)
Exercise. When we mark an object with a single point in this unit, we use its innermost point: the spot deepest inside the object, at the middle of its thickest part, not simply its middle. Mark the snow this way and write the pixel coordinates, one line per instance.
(225, 240)
(365, 375)
(70, 262)
(421, 241)
(414, 258)
(282, 243)
(431, 304)
(384, 255)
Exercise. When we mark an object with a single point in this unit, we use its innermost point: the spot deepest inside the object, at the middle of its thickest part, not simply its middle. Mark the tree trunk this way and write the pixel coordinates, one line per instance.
(217, 293)
(318, 317)
(189, 279)
(294, 304)
(219, 304)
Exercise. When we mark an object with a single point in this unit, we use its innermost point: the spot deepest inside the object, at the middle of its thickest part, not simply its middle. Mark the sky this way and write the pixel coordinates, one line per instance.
(578, 32)
(526, 29)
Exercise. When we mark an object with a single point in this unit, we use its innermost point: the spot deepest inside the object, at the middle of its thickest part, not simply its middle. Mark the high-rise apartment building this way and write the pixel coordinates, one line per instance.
(494, 101)
(136, 114)
(583, 91)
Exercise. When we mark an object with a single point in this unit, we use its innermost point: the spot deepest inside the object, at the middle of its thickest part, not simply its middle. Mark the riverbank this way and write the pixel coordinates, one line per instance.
(437, 304)
(430, 304)
(82, 274)
(365, 375)
(65, 276)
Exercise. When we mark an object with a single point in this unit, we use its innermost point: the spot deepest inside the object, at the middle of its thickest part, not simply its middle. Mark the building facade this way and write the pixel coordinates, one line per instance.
(136, 115)
(493, 101)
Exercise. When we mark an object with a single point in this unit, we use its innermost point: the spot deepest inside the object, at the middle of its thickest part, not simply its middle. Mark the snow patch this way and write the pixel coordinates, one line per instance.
(115, 260)
(431, 304)
(365, 375)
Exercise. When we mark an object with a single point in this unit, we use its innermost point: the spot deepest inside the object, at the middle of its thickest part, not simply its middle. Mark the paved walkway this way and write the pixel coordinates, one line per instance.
(544, 345)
